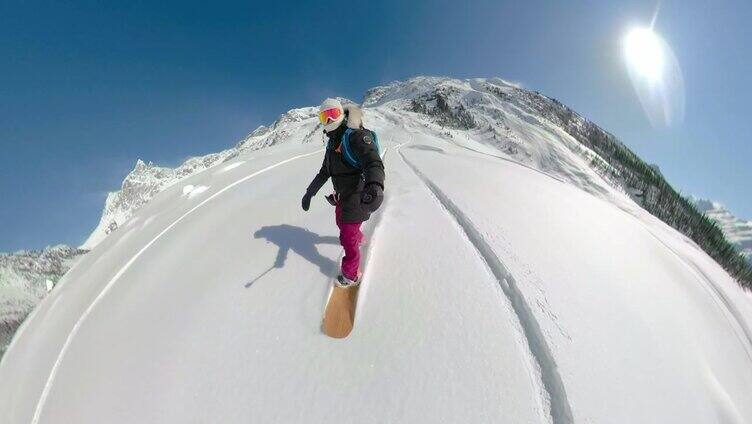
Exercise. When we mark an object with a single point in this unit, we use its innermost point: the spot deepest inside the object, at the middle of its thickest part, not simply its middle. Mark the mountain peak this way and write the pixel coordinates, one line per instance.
(737, 230)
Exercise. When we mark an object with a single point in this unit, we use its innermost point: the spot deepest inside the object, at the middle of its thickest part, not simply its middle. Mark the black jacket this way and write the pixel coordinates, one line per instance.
(349, 181)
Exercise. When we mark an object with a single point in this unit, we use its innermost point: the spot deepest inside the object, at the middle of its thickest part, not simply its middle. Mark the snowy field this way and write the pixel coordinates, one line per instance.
(493, 292)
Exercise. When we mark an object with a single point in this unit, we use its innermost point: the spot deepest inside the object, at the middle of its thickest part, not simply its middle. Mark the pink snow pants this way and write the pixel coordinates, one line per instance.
(350, 238)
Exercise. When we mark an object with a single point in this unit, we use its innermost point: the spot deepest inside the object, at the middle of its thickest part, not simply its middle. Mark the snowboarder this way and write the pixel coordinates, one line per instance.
(352, 161)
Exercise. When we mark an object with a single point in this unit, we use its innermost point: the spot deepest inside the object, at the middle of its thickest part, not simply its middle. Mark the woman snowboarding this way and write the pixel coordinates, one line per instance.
(352, 161)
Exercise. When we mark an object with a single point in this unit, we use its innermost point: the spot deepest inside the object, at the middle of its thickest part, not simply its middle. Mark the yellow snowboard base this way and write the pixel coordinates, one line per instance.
(339, 315)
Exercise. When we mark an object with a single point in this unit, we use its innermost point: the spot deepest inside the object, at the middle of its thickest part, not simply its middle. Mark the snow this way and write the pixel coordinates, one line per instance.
(231, 166)
(187, 189)
(191, 191)
(146, 180)
(25, 279)
(615, 321)
(738, 231)
(498, 287)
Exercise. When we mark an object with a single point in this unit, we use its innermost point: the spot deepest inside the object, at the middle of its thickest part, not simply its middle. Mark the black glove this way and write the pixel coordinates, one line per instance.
(306, 203)
(331, 199)
(372, 196)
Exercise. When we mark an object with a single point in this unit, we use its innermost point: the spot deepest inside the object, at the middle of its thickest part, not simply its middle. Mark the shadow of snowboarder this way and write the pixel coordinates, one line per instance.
(299, 240)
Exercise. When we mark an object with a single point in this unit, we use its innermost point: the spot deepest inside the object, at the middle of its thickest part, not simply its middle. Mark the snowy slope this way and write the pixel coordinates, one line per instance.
(501, 285)
(25, 278)
(24, 275)
(147, 179)
(738, 231)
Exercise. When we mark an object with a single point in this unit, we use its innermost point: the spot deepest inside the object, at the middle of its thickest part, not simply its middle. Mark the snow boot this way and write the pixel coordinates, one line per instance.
(343, 281)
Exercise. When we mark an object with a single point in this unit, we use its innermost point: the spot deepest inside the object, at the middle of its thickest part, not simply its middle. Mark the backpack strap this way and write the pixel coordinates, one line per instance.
(347, 152)
(376, 141)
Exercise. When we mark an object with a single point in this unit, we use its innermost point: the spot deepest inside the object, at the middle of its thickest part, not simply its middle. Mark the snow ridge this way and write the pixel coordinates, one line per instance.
(735, 317)
(146, 180)
(561, 412)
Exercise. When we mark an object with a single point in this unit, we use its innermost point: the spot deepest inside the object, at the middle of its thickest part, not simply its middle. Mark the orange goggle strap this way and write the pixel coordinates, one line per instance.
(328, 115)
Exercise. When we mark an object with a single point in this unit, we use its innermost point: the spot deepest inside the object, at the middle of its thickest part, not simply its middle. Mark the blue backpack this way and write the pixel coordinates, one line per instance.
(347, 152)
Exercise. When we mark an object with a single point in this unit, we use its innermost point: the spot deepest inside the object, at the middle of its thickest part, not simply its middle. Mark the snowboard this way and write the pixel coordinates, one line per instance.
(339, 315)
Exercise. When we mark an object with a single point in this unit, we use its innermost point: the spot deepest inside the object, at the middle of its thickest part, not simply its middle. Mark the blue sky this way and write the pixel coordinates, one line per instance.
(88, 87)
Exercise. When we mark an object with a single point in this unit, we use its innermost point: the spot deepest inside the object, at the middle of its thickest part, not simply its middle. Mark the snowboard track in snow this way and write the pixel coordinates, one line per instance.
(725, 304)
(77, 326)
(561, 411)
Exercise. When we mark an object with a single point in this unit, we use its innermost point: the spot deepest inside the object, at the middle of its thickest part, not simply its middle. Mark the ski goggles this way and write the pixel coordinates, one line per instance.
(326, 116)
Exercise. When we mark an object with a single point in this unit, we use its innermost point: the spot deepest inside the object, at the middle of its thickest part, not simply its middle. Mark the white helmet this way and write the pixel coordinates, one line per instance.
(331, 114)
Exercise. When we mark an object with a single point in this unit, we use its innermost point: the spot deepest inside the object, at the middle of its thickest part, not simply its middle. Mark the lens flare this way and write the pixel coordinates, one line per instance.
(656, 76)
(644, 53)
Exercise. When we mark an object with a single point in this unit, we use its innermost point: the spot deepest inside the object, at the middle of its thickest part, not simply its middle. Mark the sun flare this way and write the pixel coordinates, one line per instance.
(644, 53)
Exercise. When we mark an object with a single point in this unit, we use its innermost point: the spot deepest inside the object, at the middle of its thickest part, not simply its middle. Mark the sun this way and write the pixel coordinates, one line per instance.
(644, 53)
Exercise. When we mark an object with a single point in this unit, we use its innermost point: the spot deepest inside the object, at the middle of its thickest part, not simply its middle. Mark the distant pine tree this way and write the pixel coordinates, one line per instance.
(616, 164)
(644, 182)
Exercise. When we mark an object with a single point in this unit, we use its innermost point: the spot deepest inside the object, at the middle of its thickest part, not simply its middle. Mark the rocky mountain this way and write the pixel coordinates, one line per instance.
(542, 132)
(25, 278)
(738, 231)
(148, 179)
